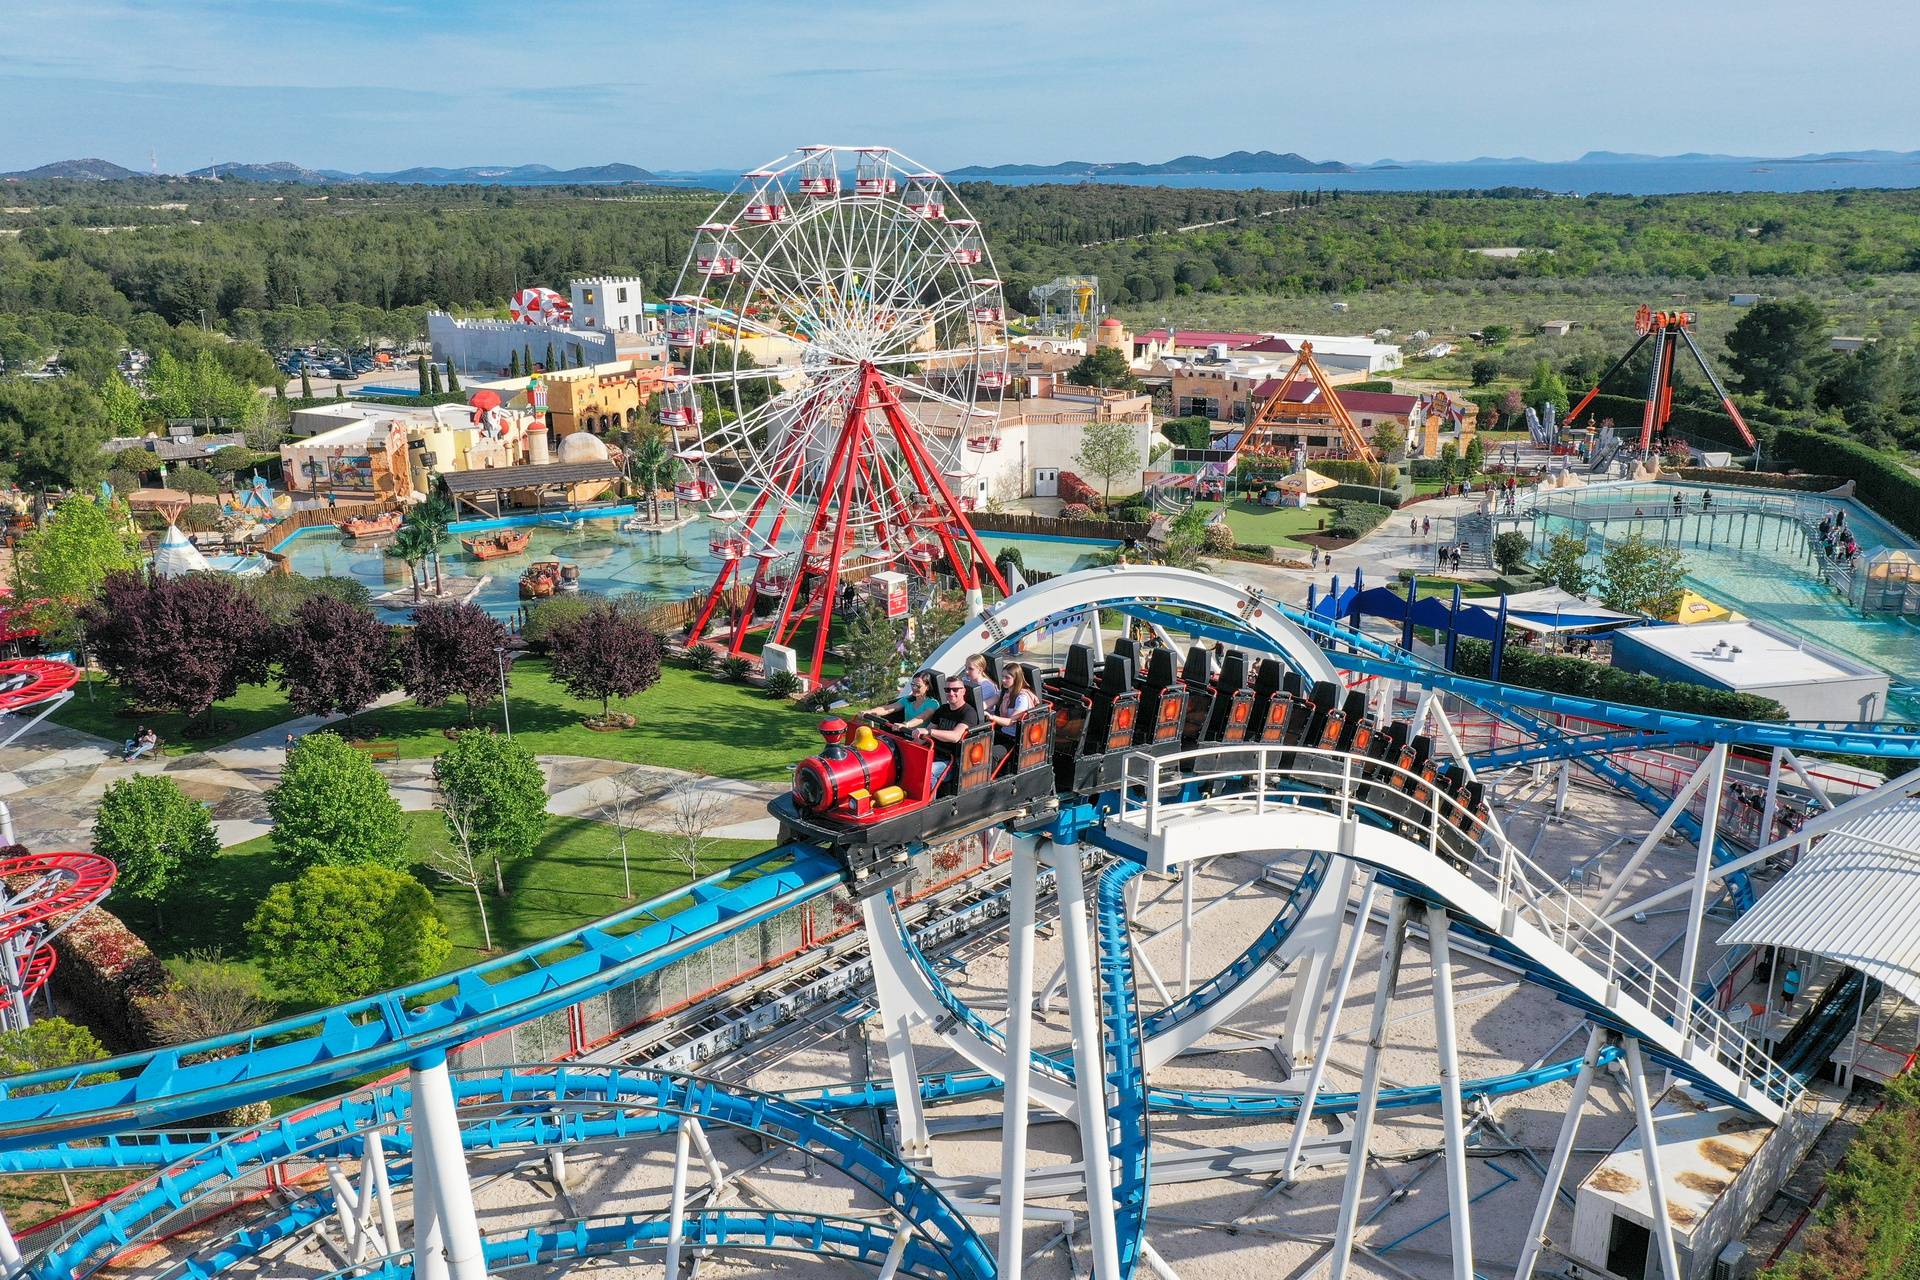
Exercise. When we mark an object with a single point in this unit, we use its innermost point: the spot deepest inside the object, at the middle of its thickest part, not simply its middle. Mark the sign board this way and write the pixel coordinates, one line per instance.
(890, 589)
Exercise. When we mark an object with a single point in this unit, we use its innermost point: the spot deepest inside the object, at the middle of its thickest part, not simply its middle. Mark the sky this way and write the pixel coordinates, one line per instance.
(385, 84)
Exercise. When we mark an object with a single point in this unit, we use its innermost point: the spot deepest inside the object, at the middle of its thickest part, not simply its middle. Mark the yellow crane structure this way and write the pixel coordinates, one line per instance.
(1320, 412)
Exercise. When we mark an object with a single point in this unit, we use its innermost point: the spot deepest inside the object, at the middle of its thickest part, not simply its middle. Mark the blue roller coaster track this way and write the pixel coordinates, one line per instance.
(44, 1115)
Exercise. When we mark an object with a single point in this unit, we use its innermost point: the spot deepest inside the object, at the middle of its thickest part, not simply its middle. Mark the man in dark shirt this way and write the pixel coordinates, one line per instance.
(947, 726)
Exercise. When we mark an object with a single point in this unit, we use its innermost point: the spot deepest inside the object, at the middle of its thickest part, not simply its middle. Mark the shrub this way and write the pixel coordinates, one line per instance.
(1137, 512)
(107, 975)
(781, 684)
(1219, 537)
(1010, 557)
(1379, 475)
(1355, 519)
(46, 1044)
(553, 612)
(192, 480)
(699, 657)
(332, 807)
(1076, 511)
(1867, 1228)
(1188, 433)
(820, 699)
(341, 932)
(1534, 670)
(153, 833)
(1076, 490)
(1510, 550)
(280, 595)
(736, 667)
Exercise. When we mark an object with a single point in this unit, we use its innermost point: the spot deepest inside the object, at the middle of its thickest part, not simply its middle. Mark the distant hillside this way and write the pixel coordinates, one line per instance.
(1232, 162)
(85, 170)
(288, 171)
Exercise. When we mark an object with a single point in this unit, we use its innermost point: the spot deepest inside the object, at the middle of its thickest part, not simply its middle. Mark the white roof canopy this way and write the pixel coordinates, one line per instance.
(1853, 898)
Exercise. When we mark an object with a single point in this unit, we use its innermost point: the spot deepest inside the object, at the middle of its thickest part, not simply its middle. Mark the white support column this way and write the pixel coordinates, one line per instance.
(890, 1265)
(11, 1263)
(429, 1251)
(1562, 1153)
(1806, 780)
(436, 1143)
(375, 1154)
(1089, 1060)
(1702, 864)
(346, 1208)
(1663, 824)
(1330, 1027)
(1347, 1224)
(1021, 888)
(1560, 789)
(1318, 937)
(1770, 809)
(1186, 928)
(677, 1202)
(1459, 1195)
(897, 1019)
(1650, 1153)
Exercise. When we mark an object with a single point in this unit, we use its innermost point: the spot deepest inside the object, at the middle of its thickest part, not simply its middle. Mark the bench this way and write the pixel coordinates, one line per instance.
(378, 752)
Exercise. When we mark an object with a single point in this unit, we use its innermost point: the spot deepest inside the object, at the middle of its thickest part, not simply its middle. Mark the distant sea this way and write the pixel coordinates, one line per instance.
(1626, 178)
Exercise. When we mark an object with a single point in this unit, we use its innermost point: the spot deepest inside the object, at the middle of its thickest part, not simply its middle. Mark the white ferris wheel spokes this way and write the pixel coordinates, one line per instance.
(842, 329)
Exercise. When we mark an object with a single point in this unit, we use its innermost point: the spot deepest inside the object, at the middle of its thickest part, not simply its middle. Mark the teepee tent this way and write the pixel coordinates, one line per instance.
(176, 555)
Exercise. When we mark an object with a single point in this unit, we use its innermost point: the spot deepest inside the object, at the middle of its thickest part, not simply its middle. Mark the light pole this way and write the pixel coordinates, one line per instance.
(506, 718)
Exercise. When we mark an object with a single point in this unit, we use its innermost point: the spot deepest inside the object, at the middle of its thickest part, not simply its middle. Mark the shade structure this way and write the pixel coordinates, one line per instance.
(1694, 607)
(1307, 481)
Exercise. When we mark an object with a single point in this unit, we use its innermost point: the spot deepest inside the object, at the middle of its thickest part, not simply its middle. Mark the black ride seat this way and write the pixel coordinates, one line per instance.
(1267, 674)
(1163, 702)
(1197, 676)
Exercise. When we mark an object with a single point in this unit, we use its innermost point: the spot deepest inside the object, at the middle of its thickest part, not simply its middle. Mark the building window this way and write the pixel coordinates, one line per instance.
(587, 296)
(623, 293)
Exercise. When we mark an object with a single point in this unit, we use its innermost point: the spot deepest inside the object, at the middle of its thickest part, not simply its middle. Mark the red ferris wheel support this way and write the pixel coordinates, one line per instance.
(910, 515)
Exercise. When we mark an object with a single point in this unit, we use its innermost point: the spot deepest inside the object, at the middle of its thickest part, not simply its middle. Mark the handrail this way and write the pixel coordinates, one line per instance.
(1327, 779)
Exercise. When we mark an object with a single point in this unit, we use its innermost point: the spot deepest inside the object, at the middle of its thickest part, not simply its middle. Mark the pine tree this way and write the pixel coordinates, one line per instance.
(453, 377)
(433, 379)
(550, 363)
(513, 365)
(421, 363)
(526, 358)
(306, 384)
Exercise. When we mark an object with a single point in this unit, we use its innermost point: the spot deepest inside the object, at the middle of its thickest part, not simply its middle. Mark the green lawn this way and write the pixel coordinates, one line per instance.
(1269, 526)
(689, 720)
(573, 877)
(1442, 588)
(97, 706)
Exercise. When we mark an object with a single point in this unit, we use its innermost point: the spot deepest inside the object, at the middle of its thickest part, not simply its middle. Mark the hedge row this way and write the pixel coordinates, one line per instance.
(1381, 475)
(1355, 519)
(1533, 669)
(1879, 480)
(1076, 491)
(1710, 425)
(1761, 479)
(1867, 1228)
(106, 974)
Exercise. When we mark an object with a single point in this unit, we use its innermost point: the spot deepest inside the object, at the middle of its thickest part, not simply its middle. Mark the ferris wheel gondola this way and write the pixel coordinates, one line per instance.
(853, 317)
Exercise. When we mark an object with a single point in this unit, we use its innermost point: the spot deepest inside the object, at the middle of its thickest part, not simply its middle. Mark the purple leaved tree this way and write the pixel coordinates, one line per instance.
(179, 644)
(335, 658)
(606, 653)
(452, 648)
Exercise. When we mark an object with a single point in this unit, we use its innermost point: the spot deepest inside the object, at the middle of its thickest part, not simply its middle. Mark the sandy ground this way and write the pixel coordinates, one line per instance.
(1232, 1227)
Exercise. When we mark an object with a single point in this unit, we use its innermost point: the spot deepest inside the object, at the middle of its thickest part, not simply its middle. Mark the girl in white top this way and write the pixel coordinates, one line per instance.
(1015, 699)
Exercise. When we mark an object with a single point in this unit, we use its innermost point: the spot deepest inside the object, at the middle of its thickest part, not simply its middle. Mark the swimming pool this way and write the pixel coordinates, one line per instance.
(673, 564)
(1770, 578)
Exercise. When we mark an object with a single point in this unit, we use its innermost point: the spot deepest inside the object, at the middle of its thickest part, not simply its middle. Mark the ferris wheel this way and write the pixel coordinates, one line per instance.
(839, 339)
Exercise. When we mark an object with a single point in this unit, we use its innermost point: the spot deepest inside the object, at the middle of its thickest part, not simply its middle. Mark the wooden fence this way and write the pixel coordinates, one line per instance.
(1055, 527)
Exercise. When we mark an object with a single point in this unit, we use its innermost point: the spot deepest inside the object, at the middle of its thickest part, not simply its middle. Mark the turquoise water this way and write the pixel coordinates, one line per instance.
(673, 564)
(1771, 578)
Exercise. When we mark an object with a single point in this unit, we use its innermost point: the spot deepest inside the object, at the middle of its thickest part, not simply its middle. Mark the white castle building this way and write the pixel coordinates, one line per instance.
(604, 307)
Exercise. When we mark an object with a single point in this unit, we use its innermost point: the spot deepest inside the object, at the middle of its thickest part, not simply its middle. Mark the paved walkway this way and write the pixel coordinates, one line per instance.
(52, 781)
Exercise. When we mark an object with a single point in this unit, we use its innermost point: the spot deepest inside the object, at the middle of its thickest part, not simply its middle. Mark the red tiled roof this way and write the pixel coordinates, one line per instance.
(1278, 346)
(1306, 392)
(1199, 337)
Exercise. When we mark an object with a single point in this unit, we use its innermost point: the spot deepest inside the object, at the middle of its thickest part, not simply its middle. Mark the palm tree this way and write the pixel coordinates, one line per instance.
(413, 543)
(432, 517)
(651, 465)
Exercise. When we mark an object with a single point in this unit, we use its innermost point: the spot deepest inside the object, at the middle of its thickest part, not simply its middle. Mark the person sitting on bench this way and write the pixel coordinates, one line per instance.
(140, 744)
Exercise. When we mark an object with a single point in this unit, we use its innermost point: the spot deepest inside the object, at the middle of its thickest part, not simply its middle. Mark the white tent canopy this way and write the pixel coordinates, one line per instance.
(1549, 610)
(176, 555)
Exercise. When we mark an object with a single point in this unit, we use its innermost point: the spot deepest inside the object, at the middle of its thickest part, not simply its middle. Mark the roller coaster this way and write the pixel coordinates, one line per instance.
(1147, 756)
